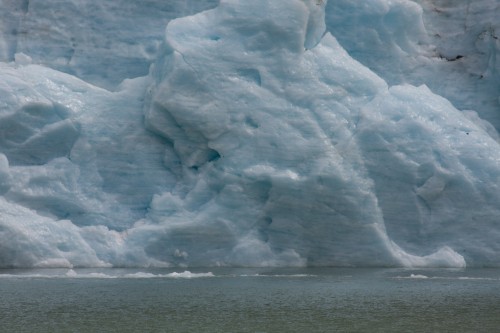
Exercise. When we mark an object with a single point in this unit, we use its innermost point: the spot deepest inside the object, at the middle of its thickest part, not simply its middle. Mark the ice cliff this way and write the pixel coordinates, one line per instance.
(251, 133)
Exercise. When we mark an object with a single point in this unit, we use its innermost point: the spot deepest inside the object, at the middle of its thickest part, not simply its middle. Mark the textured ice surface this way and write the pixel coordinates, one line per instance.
(450, 46)
(102, 42)
(256, 139)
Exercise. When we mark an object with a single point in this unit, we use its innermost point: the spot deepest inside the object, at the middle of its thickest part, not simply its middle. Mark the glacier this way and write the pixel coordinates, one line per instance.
(249, 133)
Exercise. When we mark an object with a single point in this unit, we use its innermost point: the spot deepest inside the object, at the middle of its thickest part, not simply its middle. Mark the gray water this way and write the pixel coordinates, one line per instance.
(250, 300)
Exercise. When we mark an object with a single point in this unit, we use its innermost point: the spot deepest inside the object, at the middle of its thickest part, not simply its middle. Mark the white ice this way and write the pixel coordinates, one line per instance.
(283, 133)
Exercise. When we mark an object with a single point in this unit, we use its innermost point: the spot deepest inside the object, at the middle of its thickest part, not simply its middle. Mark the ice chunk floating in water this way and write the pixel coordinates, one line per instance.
(255, 140)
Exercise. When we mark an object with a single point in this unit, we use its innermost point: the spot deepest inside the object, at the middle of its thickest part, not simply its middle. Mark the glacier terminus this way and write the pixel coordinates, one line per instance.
(249, 133)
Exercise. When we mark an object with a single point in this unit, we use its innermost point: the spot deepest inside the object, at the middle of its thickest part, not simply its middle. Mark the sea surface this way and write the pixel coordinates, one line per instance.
(250, 300)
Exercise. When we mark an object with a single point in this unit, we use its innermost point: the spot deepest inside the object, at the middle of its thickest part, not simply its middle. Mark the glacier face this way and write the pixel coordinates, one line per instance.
(121, 36)
(284, 133)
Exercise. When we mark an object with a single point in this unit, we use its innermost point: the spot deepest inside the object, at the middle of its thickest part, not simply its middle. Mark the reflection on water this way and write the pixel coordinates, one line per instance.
(250, 300)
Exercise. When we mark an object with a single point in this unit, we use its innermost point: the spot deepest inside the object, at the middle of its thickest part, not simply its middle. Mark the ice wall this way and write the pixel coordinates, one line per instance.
(256, 139)
(102, 42)
(450, 46)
